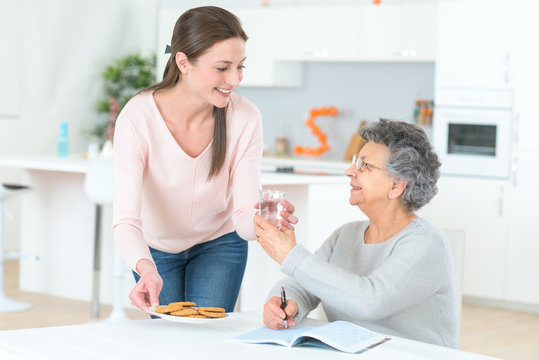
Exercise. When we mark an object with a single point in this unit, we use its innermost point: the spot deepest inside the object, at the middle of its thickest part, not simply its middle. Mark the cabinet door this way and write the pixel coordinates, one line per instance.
(398, 32)
(10, 68)
(318, 33)
(526, 72)
(523, 235)
(479, 207)
(474, 44)
(262, 68)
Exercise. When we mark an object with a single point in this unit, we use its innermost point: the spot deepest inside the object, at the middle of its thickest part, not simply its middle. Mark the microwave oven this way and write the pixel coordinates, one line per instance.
(472, 132)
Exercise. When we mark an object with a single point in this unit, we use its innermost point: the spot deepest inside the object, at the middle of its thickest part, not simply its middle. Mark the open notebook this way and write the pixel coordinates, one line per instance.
(337, 335)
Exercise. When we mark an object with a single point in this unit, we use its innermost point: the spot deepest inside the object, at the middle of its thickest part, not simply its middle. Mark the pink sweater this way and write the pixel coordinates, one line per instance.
(161, 196)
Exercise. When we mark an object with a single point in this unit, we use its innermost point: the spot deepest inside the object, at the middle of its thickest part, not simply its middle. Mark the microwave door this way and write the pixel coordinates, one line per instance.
(474, 142)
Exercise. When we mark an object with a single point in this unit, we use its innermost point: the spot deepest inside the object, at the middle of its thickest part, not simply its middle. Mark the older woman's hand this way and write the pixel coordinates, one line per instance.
(277, 243)
(274, 316)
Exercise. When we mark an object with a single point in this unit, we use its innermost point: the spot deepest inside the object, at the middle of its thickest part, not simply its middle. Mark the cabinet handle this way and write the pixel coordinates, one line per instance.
(500, 202)
(514, 171)
(516, 128)
(405, 53)
(316, 53)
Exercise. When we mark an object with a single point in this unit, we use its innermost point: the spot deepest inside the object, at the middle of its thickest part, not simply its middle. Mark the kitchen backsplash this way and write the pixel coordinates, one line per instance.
(361, 91)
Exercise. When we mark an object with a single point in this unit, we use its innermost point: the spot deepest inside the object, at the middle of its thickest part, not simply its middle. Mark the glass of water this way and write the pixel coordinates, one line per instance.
(269, 205)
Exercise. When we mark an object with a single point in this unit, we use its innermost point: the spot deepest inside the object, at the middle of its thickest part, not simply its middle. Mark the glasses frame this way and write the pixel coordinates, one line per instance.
(356, 160)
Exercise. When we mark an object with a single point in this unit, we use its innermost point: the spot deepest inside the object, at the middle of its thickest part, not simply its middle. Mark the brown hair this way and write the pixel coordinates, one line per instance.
(196, 31)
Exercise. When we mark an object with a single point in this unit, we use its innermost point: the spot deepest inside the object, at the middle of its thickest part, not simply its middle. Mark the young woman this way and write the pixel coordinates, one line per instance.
(187, 169)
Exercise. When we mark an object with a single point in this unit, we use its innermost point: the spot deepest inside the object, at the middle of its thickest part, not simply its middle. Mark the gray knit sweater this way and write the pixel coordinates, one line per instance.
(401, 287)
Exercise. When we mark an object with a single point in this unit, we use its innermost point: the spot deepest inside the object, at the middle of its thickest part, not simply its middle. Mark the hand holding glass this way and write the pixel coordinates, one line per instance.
(270, 207)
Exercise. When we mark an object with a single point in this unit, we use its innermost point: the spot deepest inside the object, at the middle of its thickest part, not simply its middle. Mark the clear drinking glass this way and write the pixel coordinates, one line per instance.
(269, 205)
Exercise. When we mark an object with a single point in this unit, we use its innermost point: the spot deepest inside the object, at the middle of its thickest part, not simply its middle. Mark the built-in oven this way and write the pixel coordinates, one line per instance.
(472, 132)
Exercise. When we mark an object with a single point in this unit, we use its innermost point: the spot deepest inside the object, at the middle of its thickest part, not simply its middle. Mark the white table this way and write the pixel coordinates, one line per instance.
(161, 339)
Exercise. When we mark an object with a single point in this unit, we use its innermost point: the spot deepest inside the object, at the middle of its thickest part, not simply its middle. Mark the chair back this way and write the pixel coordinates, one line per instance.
(99, 181)
(456, 241)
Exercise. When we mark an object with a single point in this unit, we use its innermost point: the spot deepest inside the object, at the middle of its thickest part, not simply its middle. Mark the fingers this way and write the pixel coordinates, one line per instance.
(287, 206)
(291, 310)
(138, 297)
(286, 224)
(153, 295)
(146, 291)
(287, 217)
(274, 316)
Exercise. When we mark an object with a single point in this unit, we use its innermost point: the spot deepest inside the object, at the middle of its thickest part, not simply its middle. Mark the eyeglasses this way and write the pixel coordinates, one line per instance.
(360, 163)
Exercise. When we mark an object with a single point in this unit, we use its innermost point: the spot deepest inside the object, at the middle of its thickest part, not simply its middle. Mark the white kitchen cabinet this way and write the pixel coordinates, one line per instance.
(474, 44)
(262, 67)
(398, 32)
(357, 33)
(318, 33)
(280, 38)
(523, 234)
(480, 208)
(526, 76)
(10, 60)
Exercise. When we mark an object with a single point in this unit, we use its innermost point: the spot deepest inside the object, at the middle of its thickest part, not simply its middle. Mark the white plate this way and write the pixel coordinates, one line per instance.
(182, 319)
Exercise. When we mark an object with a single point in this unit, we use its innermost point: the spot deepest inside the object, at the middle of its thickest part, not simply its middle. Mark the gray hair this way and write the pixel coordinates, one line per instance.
(411, 159)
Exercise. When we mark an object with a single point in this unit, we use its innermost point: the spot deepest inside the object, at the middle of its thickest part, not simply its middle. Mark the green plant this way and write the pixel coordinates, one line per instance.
(122, 79)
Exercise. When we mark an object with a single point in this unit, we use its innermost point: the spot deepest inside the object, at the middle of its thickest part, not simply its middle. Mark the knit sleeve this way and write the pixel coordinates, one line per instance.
(246, 174)
(128, 177)
(412, 272)
(306, 300)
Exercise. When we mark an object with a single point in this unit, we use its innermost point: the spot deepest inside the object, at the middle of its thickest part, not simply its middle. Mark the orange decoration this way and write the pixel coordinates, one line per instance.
(315, 130)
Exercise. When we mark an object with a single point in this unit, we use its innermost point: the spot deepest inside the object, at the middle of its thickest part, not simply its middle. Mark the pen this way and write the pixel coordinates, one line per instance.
(283, 306)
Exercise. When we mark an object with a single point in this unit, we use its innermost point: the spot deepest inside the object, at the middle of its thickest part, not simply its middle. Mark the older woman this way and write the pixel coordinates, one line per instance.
(392, 273)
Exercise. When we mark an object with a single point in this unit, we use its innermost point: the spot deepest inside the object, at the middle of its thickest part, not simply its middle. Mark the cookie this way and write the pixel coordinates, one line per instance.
(175, 307)
(198, 316)
(212, 314)
(211, 309)
(183, 303)
(163, 309)
(185, 312)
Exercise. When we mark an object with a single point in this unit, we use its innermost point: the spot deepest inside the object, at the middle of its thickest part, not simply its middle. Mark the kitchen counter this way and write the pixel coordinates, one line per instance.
(57, 222)
(274, 170)
(75, 164)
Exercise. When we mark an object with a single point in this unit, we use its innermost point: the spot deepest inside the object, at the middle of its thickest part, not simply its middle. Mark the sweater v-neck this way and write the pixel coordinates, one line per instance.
(163, 127)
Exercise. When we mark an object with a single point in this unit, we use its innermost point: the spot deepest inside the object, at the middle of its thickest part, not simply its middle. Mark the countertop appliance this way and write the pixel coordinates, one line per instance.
(472, 131)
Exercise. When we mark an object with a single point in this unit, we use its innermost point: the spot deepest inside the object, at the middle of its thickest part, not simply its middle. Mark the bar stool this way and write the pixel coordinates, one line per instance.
(7, 304)
(99, 187)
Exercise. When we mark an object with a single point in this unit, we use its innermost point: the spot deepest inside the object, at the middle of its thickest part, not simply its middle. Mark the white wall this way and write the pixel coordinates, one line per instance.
(64, 47)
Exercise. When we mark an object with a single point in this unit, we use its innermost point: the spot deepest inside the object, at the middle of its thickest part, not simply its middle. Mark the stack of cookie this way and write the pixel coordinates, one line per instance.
(189, 309)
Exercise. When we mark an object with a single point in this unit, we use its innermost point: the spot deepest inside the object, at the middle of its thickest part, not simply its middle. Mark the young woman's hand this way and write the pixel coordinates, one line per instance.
(146, 291)
(287, 217)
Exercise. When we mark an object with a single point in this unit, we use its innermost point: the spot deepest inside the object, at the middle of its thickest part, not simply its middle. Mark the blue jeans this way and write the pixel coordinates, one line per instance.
(208, 274)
